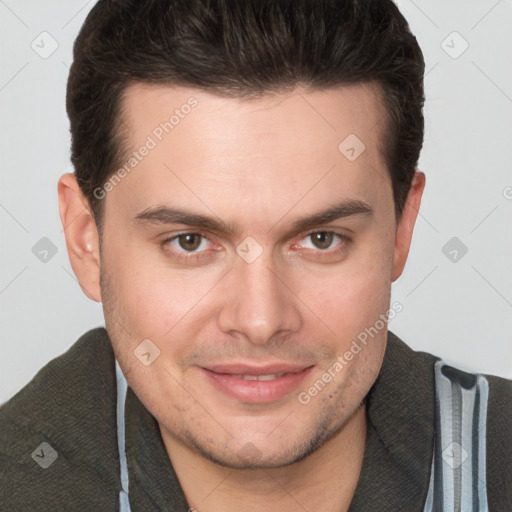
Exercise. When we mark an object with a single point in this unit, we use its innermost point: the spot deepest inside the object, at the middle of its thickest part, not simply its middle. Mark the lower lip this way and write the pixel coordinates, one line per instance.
(256, 391)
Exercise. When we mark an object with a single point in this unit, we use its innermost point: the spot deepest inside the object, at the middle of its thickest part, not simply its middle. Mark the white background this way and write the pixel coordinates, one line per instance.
(461, 310)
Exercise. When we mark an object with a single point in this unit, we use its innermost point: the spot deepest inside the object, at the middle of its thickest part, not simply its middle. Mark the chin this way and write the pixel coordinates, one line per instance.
(262, 455)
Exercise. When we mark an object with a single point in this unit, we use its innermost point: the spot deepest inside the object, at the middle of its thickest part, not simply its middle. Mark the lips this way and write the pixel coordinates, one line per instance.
(270, 369)
(256, 384)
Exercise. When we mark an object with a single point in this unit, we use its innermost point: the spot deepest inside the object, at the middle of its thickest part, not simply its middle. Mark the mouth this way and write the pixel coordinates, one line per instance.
(271, 376)
(256, 384)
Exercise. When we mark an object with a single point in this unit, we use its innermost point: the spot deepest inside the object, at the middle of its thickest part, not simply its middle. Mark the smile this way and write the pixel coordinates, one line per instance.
(256, 385)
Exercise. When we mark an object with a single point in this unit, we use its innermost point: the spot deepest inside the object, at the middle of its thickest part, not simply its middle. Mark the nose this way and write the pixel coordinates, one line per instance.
(259, 303)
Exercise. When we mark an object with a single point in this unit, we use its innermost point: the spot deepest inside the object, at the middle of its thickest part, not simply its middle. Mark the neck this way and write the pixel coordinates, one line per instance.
(326, 479)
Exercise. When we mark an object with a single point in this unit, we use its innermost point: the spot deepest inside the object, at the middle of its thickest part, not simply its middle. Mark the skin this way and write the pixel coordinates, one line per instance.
(260, 165)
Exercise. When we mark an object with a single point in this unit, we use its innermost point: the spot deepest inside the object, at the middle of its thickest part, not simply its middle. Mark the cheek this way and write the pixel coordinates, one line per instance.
(152, 295)
(161, 305)
(351, 297)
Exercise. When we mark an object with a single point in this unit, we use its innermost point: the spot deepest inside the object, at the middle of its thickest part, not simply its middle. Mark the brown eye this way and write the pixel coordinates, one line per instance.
(187, 247)
(322, 239)
(325, 245)
(189, 241)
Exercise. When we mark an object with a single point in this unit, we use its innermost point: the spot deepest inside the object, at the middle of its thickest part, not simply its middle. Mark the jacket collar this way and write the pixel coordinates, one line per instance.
(400, 438)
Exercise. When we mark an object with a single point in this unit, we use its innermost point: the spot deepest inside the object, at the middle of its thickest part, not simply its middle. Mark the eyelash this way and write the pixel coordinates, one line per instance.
(193, 256)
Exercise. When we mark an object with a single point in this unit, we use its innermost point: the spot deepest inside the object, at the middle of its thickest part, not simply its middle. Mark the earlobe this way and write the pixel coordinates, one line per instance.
(82, 240)
(406, 224)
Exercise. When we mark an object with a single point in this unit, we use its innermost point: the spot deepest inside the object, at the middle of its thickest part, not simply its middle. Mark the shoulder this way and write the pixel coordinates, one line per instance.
(57, 434)
(400, 354)
(466, 392)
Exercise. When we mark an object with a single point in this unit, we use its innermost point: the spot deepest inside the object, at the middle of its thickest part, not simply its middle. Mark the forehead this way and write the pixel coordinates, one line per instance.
(204, 146)
(356, 107)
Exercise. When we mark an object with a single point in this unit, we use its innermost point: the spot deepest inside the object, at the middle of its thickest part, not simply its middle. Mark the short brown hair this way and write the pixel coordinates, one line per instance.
(245, 49)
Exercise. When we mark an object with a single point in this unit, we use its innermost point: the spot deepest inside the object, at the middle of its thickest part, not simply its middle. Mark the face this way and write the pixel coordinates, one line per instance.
(229, 292)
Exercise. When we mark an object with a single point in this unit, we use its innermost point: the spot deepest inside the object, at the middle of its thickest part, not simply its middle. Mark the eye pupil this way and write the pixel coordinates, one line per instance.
(189, 240)
(324, 238)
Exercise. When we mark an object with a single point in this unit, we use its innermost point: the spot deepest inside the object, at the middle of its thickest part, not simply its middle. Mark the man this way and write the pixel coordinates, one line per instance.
(245, 192)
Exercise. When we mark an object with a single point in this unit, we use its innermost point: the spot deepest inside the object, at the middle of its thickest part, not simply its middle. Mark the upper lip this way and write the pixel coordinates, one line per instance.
(244, 369)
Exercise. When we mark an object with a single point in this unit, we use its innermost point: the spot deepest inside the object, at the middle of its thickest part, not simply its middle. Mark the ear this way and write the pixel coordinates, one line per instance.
(406, 224)
(82, 240)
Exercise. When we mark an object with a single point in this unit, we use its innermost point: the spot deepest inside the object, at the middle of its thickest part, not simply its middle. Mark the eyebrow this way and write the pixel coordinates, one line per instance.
(163, 215)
